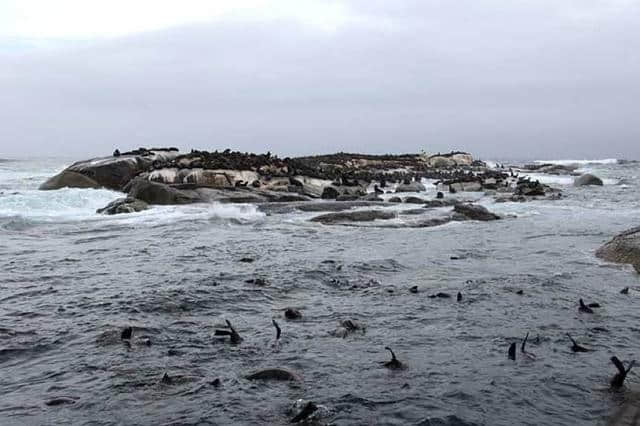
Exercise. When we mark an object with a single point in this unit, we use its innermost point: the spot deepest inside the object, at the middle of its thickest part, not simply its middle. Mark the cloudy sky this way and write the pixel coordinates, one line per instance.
(499, 78)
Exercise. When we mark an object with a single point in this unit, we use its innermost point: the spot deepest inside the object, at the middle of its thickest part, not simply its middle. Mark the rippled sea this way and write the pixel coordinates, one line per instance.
(71, 280)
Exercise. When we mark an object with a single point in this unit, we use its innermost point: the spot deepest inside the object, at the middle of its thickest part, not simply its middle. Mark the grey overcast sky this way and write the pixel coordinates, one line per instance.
(499, 78)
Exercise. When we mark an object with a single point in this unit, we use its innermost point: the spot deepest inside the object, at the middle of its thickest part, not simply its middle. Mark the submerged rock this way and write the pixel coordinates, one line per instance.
(354, 216)
(623, 248)
(475, 212)
(279, 374)
(411, 187)
(124, 205)
(587, 179)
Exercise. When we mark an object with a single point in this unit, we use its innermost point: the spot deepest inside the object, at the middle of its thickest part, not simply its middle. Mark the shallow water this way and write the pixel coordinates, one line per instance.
(71, 280)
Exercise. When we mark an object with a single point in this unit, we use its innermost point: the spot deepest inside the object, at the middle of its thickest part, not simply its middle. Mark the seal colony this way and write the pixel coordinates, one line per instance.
(165, 176)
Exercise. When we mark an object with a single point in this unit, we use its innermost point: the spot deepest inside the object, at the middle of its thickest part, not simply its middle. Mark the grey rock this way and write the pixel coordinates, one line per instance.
(475, 212)
(123, 205)
(587, 179)
(411, 187)
(623, 248)
(354, 216)
(159, 193)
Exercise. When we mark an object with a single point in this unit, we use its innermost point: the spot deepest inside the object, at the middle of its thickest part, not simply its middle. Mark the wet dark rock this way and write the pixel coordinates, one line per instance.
(414, 200)
(441, 203)
(411, 187)
(354, 216)
(587, 179)
(395, 200)
(439, 195)
(159, 193)
(123, 205)
(278, 374)
(440, 295)
(70, 179)
(624, 248)
(475, 212)
(63, 400)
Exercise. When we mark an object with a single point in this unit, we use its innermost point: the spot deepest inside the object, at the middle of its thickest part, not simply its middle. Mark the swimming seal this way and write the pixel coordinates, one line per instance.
(126, 333)
(166, 380)
(459, 297)
(308, 410)
(523, 348)
(584, 308)
(394, 364)
(234, 337)
(512, 352)
(278, 331)
(618, 379)
(575, 347)
(624, 290)
(292, 314)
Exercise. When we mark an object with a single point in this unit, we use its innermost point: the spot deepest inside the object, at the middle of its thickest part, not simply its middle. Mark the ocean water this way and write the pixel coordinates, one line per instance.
(71, 280)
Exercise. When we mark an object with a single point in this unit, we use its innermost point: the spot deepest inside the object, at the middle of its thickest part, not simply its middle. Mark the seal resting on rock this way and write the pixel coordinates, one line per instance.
(279, 374)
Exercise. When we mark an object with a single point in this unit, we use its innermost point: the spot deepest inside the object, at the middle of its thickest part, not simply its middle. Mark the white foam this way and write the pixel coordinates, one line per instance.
(578, 162)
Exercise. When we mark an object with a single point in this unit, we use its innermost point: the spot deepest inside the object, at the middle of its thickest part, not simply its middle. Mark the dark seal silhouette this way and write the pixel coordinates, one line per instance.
(459, 297)
(575, 347)
(292, 314)
(512, 352)
(234, 337)
(618, 379)
(126, 333)
(624, 290)
(394, 364)
(308, 410)
(278, 331)
(584, 308)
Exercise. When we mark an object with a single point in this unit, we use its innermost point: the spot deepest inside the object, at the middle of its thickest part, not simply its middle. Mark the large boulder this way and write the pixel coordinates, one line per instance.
(411, 187)
(71, 179)
(587, 179)
(475, 212)
(124, 205)
(624, 248)
(159, 193)
(108, 172)
(354, 216)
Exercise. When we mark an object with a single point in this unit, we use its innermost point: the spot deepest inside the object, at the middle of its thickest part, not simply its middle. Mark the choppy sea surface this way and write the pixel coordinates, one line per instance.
(71, 280)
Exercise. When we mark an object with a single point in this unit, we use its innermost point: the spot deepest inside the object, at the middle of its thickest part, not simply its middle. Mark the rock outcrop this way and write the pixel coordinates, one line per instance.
(354, 216)
(475, 212)
(123, 205)
(587, 179)
(623, 248)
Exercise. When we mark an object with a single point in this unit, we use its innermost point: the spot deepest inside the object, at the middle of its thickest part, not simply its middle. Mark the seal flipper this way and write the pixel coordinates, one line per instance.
(575, 346)
(278, 331)
(584, 308)
(394, 363)
(235, 337)
(524, 343)
(166, 380)
(618, 379)
(618, 364)
(512, 352)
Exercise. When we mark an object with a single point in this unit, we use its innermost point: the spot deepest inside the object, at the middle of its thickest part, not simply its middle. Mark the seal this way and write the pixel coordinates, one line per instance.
(524, 350)
(584, 308)
(575, 347)
(234, 337)
(459, 297)
(512, 352)
(292, 314)
(394, 364)
(278, 331)
(308, 410)
(618, 379)
(624, 290)
(377, 190)
(439, 195)
(126, 333)
(166, 379)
